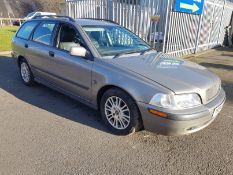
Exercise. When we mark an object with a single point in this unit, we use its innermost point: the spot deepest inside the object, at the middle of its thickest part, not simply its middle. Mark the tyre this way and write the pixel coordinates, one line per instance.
(26, 73)
(119, 112)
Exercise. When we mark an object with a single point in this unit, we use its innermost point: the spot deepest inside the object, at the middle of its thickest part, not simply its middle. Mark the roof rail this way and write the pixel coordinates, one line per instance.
(107, 20)
(54, 16)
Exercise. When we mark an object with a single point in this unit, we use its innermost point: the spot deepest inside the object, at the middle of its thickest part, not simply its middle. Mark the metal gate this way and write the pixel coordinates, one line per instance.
(155, 22)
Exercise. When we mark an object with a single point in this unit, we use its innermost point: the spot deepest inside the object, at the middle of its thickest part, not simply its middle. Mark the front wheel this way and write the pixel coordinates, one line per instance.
(119, 112)
(26, 73)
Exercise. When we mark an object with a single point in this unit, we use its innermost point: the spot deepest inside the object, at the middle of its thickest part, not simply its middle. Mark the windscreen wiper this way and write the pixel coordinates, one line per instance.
(147, 50)
(123, 53)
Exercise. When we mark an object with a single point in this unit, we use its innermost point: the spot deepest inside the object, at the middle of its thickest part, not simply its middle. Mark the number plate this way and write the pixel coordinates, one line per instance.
(217, 110)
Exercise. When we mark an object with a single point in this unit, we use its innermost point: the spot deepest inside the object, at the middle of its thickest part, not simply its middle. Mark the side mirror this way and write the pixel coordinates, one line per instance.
(79, 51)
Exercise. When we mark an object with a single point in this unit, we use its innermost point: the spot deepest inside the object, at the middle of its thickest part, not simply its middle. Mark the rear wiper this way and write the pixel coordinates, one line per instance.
(123, 53)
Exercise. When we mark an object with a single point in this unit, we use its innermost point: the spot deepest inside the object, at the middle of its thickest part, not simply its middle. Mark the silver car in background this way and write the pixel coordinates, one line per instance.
(112, 70)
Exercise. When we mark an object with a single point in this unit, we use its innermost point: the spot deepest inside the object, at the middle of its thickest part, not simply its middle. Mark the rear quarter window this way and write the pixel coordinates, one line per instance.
(26, 30)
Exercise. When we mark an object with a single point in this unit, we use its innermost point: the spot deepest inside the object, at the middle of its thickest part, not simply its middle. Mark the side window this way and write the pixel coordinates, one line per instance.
(68, 38)
(26, 30)
(43, 33)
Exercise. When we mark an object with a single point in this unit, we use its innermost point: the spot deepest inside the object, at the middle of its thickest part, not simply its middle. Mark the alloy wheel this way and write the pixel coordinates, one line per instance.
(25, 72)
(117, 112)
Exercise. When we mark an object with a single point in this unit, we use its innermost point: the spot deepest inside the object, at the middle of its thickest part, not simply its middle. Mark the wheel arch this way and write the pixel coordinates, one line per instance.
(20, 57)
(103, 89)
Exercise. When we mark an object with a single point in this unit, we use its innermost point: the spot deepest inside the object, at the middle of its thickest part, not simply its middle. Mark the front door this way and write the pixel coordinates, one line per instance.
(70, 73)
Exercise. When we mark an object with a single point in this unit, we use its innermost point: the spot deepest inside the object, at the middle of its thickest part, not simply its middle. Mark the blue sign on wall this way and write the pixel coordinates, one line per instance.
(189, 6)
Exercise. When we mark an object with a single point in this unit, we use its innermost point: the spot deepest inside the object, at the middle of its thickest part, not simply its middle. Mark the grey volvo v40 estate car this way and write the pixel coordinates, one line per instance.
(109, 68)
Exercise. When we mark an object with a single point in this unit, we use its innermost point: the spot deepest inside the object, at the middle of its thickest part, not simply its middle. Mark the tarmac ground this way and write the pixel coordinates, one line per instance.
(45, 132)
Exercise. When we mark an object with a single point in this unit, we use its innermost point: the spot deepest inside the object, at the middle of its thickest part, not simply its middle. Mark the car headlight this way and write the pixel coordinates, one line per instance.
(171, 101)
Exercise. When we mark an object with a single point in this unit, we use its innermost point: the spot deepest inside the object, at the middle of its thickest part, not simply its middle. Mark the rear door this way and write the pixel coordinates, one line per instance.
(39, 49)
(70, 73)
(20, 42)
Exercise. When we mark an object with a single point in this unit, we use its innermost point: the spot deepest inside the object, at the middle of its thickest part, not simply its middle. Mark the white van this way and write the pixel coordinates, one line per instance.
(34, 14)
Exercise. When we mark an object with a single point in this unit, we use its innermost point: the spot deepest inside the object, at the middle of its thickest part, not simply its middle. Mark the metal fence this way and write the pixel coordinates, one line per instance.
(155, 21)
(10, 21)
(146, 18)
(189, 33)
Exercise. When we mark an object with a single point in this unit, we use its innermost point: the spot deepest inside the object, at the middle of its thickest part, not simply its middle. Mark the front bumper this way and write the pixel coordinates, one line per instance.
(181, 122)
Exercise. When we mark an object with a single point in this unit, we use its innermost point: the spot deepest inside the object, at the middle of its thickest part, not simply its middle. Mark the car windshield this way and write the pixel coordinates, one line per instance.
(31, 14)
(115, 40)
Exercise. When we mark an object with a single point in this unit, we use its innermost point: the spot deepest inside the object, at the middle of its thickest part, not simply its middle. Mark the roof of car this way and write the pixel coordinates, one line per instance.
(80, 21)
(90, 22)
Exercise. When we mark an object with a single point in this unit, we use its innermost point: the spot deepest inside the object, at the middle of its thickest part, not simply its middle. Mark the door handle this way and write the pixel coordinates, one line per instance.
(51, 53)
(26, 45)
